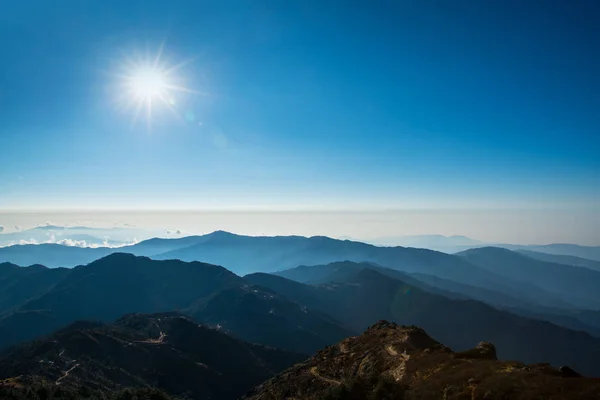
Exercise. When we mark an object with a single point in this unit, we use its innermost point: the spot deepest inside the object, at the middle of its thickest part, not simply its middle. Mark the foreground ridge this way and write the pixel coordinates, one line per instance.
(390, 361)
(167, 352)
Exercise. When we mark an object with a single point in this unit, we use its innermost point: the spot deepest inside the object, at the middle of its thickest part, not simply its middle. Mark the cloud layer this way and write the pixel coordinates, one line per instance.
(71, 242)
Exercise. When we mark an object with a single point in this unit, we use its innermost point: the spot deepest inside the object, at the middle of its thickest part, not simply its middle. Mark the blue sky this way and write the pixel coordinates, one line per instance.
(304, 105)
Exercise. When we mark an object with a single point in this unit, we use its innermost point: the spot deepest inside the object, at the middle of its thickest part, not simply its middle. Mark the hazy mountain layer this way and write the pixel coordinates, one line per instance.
(562, 259)
(577, 285)
(369, 295)
(581, 320)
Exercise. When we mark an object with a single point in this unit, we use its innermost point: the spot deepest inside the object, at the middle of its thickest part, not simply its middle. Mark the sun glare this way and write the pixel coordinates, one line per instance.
(147, 83)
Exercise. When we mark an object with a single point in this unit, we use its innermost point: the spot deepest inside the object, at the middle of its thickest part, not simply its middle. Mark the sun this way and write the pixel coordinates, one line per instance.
(148, 83)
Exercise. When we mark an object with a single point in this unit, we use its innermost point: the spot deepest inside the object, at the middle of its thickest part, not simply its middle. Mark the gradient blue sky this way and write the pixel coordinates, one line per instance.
(305, 105)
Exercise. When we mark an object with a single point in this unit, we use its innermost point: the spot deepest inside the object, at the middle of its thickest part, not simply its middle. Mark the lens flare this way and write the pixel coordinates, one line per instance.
(147, 83)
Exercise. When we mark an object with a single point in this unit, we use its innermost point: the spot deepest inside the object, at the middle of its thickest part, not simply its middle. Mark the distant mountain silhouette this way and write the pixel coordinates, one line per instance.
(488, 296)
(402, 362)
(587, 252)
(88, 236)
(154, 247)
(446, 244)
(341, 270)
(458, 243)
(165, 351)
(581, 320)
(368, 296)
(246, 254)
(52, 255)
(122, 283)
(577, 285)
(562, 259)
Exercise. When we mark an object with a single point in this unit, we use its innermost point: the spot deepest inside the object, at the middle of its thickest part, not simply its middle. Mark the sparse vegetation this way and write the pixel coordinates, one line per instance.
(374, 387)
(167, 351)
(391, 362)
(49, 391)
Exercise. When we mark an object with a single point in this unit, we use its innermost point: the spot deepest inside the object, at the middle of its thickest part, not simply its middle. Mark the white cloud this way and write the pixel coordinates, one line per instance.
(74, 243)
(47, 223)
(23, 241)
(71, 242)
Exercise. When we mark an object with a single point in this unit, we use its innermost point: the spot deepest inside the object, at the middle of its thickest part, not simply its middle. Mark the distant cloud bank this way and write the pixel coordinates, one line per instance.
(71, 242)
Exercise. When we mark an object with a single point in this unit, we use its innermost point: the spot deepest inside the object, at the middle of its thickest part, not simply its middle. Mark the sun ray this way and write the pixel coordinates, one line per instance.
(159, 54)
(149, 111)
(184, 89)
(171, 107)
(138, 107)
(149, 83)
(181, 64)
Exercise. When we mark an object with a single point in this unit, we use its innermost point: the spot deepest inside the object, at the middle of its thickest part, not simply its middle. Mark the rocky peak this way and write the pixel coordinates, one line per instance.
(403, 362)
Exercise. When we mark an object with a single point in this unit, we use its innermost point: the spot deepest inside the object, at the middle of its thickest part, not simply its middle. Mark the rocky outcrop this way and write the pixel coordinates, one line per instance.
(403, 362)
(483, 351)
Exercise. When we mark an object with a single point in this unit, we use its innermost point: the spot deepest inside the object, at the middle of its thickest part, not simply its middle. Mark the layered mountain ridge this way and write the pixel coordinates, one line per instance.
(121, 283)
(367, 295)
(165, 301)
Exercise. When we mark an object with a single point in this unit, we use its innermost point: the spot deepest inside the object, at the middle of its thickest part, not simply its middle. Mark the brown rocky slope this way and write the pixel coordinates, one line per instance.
(396, 362)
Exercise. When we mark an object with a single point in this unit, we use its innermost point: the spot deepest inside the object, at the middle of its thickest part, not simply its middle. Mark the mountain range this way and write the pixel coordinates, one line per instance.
(209, 293)
(164, 351)
(457, 243)
(298, 295)
(583, 320)
(562, 259)
(358, 299)
(122, 238)
(550, 276)
(245, 254)
(278, 312)
(79, 236)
